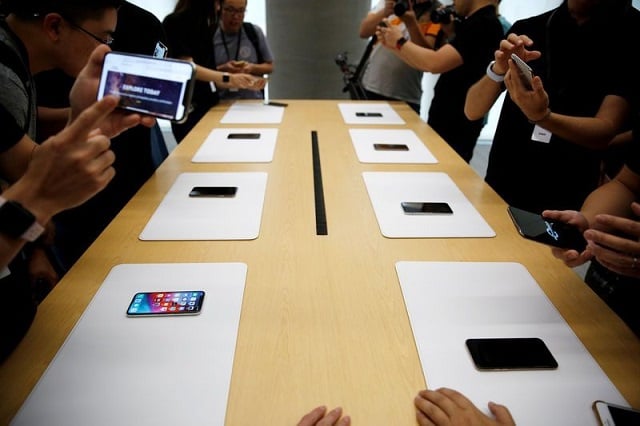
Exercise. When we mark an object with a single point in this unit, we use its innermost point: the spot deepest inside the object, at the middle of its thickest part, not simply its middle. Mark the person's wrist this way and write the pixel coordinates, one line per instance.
(401, 42)
(492, 74)
(542, 118)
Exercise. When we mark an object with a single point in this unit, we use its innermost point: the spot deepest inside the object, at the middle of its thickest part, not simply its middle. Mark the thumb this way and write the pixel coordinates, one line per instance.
(89, 119)
(501, 413)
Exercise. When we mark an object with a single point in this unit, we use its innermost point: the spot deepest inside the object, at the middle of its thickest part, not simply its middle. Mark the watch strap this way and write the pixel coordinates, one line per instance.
(492, 75)
(18, 222)
(401, 41)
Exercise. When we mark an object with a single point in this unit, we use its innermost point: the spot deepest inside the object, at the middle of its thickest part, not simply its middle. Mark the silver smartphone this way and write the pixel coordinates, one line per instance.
(616, 415)
(526, 73)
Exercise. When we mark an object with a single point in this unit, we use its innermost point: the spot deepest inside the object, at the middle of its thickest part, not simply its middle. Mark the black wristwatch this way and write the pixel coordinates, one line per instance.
(18, 222)
(226, 77)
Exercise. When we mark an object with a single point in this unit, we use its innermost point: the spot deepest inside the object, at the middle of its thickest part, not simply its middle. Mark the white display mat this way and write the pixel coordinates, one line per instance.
(219, 148)
(115, 370)
(246, 112)
(388, 189)
(449, 302)
(388, 114)
(180, 217)
(365, 139)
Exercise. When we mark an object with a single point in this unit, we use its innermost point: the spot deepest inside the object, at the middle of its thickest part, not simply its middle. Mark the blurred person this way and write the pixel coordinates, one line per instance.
(387, 77)
(190, 29)
(460, 63)
(137, 31)
(549, 141)
(240, 47)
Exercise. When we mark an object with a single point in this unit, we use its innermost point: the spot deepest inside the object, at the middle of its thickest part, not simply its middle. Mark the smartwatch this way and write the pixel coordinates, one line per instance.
(492, 75)
(18, 222)
(401, 41)
(226, 77)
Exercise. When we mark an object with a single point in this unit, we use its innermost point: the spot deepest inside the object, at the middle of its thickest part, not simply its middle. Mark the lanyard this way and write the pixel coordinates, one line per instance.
(224, 42)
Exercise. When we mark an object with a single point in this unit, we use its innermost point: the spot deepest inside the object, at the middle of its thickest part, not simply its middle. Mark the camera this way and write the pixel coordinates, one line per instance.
(443, 16)
(402, 6)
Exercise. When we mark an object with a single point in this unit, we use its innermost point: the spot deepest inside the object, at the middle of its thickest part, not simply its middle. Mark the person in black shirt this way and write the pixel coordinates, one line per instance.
(460, 63)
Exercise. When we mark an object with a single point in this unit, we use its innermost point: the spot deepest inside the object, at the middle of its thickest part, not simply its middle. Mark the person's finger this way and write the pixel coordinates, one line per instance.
(331, 417)
(312, 416)
(459, 399)
(501, 413)
(88, 120)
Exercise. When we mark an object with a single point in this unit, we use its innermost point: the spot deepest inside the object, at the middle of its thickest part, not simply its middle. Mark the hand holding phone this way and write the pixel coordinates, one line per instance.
(526, 73)
(537, 228)
(148, 85)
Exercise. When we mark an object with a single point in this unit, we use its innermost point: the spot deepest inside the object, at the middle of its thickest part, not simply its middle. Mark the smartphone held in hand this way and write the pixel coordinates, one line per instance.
(526, 73)
(148, 85)
(557, 234)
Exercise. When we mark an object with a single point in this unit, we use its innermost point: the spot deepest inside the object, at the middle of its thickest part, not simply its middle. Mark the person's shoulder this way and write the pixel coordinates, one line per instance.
(136, 13)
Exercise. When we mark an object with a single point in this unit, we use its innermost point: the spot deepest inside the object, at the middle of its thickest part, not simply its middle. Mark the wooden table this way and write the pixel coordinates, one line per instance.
(323, 318)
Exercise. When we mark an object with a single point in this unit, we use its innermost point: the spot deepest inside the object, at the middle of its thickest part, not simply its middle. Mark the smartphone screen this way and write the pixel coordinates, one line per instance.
(243, 136)
(390, 147)
(426, 208)
(368, 114)
(510, 354)
(557, 234)
(525, 70)
(166, 303)
(213, 191)
(148, 85)
(616, 415)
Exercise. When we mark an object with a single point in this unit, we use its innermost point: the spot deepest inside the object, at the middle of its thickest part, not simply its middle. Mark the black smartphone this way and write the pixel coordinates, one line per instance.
(521, 353)
(390, 147)
(616, 415)
(426, 207)
(278, 104)
(368, 114)
(213, 191)
(160, 303)
(243, 136)
(557, 234)
(148, 85)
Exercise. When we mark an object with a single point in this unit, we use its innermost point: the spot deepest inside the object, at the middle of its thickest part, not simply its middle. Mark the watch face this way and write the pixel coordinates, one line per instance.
(15, 219)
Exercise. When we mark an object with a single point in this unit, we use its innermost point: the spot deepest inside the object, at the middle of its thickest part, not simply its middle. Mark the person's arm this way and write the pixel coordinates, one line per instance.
(64, 171)
(51, 121)
(236, 81)
(434, 61)
(483, 94)
(591, 132)
(370, 22)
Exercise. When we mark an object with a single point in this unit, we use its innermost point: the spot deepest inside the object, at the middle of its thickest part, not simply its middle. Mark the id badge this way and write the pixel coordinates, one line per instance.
(540, 134)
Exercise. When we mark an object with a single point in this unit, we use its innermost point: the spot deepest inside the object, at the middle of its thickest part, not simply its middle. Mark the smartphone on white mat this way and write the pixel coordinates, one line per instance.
(616, 415)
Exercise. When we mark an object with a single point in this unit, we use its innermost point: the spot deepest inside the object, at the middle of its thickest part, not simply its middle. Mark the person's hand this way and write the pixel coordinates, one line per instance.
(388, 35)
(233, 67)
(319, 417)
(570, 257)
(617, 249)
(388, 7)
(449, 407)
(84, 93)
(246, 81)
(533, 102)
(513, 44)
(69, 168)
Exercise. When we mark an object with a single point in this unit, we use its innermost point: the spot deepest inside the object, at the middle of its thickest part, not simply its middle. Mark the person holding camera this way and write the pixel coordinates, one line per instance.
(386, 77)
(460, 63)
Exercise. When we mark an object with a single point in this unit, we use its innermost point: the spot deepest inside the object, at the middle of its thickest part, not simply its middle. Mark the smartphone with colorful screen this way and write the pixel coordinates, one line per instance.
(159, 303)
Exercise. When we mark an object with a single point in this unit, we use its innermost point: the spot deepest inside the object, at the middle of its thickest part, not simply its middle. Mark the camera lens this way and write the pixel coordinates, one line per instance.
(400, 7)
(442, 16)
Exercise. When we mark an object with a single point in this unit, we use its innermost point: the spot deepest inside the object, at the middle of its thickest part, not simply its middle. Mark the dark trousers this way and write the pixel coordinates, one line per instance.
(372, 96)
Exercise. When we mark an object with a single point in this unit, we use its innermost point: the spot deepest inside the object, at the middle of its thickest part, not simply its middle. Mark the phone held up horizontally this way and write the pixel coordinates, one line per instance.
(557, 234)
(149, 85)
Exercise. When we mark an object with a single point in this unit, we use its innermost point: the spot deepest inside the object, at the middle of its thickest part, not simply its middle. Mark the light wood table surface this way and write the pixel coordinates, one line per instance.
(323, 319)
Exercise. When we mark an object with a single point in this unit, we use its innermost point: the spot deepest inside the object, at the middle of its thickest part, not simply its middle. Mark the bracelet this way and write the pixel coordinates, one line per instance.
(492, 74)
(544, 117)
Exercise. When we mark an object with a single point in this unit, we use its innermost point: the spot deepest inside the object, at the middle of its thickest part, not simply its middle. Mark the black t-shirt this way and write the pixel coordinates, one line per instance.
(477, 38)
(576, 71)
